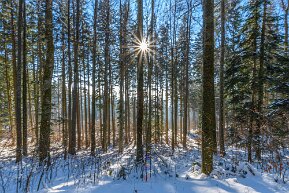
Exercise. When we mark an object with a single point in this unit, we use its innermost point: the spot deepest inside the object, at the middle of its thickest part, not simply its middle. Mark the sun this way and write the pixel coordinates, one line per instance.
(143, 46)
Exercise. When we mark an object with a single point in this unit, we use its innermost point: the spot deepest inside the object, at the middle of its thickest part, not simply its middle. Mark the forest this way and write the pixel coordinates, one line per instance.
(171, 96)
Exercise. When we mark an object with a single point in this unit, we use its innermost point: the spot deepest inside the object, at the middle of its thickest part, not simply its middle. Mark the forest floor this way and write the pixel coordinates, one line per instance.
(165, 172)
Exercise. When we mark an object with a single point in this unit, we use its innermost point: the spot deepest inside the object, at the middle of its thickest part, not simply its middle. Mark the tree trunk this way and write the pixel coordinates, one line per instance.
(208, 106)
(222, 61)
(72, 147)
(140, 83)
(106, 86)
(44, 143)
(92, 132)
(24, 84)
(64, 111)
(14, 65)
(261, 84)
(18, 83)
(121, 69)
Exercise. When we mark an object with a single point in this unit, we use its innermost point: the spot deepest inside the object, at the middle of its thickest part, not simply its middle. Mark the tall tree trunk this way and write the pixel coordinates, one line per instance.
(186, 97)
(44, 142)
(222, 61)
(8, 86)
(254, 89)
(18, 82)
(85, 102)
(88, 99)
(106, 86)
(208, 106)
(14, 65)
(92, 132)
(167, 108)
(64, 111)
(261, 84)
(140, 83)
(24, 84)
(121, 69)
(70, 142)
(113, 120)
(72, 150)
(150, 69)
(285, 8)
(78, 117)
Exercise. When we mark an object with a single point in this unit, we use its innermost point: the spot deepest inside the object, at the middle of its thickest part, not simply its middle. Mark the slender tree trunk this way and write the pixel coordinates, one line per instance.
(106, 86)
(140, 83)
(254, 91)
(8, 86)
(186, 96)
(44, 143)
(18, 82)
(14, 65)
(167, 108)
(70, 142)
(92, 133)
(113, 121)
(64, 111)
(261, 84)
(24, 84)
(208, 106)
(222, 61)
(78, 117)
(72, 150)
(85, 102)
(150, 69)
(88, 100)
(121, 69)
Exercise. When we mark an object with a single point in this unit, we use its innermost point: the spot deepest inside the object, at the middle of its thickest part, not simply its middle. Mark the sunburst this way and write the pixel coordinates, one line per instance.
(142, 47)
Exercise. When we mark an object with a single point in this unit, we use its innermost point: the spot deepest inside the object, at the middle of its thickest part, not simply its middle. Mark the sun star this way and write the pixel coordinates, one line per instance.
(143, 46)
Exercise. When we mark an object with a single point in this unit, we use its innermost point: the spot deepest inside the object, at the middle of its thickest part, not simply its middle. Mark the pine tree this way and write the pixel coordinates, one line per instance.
(44, 142)
(208, 106)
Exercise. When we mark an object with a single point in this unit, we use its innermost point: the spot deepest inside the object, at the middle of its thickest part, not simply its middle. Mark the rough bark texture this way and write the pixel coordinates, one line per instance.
(92, 132)
(44, 142)
(24, 84)
(222, 61)
(121, 101)
(140, 82)
(18, 83)
(208, 106)
(72, 146)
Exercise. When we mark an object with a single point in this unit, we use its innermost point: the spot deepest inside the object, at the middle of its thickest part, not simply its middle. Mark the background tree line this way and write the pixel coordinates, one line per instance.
(73, 72)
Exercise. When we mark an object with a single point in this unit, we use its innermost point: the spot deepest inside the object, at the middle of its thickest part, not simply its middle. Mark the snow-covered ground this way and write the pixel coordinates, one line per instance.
(110, 172)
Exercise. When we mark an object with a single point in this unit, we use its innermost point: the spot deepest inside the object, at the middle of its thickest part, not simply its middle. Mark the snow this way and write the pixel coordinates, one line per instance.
(159, 185)
(177, 172)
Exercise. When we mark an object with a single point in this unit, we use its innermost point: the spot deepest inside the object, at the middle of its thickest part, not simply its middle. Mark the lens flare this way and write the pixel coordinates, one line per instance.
(143, 46)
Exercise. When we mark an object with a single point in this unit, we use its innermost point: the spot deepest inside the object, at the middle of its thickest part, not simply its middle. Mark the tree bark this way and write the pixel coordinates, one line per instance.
(24, 84)
(208, 98)
(222, 61)
(140, 83)
(18, 82)
(44, 143)
(72, 149)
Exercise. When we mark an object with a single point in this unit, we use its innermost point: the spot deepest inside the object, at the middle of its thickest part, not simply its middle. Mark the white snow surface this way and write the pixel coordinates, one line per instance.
(166, 172)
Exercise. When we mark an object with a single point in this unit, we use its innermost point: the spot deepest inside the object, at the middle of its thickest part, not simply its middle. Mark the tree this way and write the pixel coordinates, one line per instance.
(140, 82)
(72, 149)
(222, 61)
(24, 84)
(92, 132)
(44, 143)
(18, 82)
(186, 96)
(208, 106)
